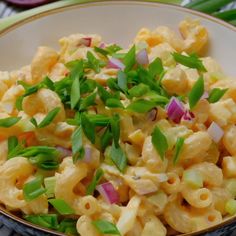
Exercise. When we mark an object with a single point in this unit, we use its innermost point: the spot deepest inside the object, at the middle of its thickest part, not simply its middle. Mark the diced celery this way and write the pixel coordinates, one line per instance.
(230, 185)
(230, 206)
(50, 183)
(193, 178)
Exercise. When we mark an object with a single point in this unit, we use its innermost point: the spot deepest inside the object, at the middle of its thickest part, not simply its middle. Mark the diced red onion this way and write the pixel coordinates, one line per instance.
(87, 154)
(215, 131)
(205, 95)
(188, 116)
(142, 57)
(115, 64)
(64, 152)
(86, 41)
(152, 115)
(175, 110)
(108, 192)
(102, 45)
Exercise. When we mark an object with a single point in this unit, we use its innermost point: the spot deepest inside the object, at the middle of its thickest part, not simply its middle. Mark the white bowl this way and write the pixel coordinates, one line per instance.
(116, 21)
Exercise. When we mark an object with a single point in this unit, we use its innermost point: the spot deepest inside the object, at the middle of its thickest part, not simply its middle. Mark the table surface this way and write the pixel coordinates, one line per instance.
(8, 10)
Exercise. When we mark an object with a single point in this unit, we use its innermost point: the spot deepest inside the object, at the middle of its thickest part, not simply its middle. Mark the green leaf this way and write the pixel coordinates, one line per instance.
(130, 59)
(114, 103)
(178, 148)
(50, 183)
(8, 122)
(61, 206)
(156, 68)
(33, 189)
(216, 94)
(196, 93)
(75, 75)
(138, 90)
(12, 144)
(189, 61)
(45, 220)
(19, 102)
(106, 227)
(119, 158)
(93, 62)
(87, 101)
(99, 119)
(159, 141)
(49, 117)
(122, 80)
(88, 128)
(95, 181)
(115, 129)
(106, 139)
(141, 106)
(88, 86)
(103, 94)
(77, 144)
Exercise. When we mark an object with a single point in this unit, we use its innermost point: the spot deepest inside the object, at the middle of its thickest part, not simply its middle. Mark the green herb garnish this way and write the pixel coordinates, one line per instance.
(96, 179)
(216, 94)
(9, 121)
(178, 148)
(106, 227)
(196, 93)
(159, 141)
(61, 206)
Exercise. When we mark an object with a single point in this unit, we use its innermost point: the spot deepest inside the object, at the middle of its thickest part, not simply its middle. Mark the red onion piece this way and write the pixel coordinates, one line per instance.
(188, 116)
(64, 152)
(205, 95)
(102, 45)
(215, 132)
(115, 64)
(142, 57)
(108, 192)
(86, 41)
(175, 110)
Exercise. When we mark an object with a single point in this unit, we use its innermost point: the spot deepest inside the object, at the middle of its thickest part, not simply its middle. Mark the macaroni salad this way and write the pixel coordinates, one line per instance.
(100, 140)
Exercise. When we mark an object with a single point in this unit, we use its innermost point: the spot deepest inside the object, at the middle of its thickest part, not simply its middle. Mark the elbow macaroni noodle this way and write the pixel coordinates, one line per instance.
(154, 198)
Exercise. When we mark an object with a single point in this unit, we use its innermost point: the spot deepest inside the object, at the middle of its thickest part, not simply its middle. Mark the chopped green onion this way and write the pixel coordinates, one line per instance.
(33, 189)
(114, 103)
(12, 143)
(216, 94)
(77, 144)
(226, 15)
(19, 102)
(99, 119)
(87, 101)
(141, 106)
(106, 227)
(189, 61)
(106, 138)
(156, 68)
(9, 121)
(115, 129)
(130, 59)
(45, 220)
(138, 90)
(87, 86)
(93, 62)
(75, 75)
(196, 93)
(193, 178)
(61, 206)
(88, 128)
(68, 226)
(95, 181)
(119, 158)
(49, 184)
(178, 148)
(230, 207)
(159, 141)
(48, 118)
(122, 80)
(103, 94)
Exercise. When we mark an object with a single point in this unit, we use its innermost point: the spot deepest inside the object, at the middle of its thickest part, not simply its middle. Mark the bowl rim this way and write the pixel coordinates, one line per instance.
(58, 9)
